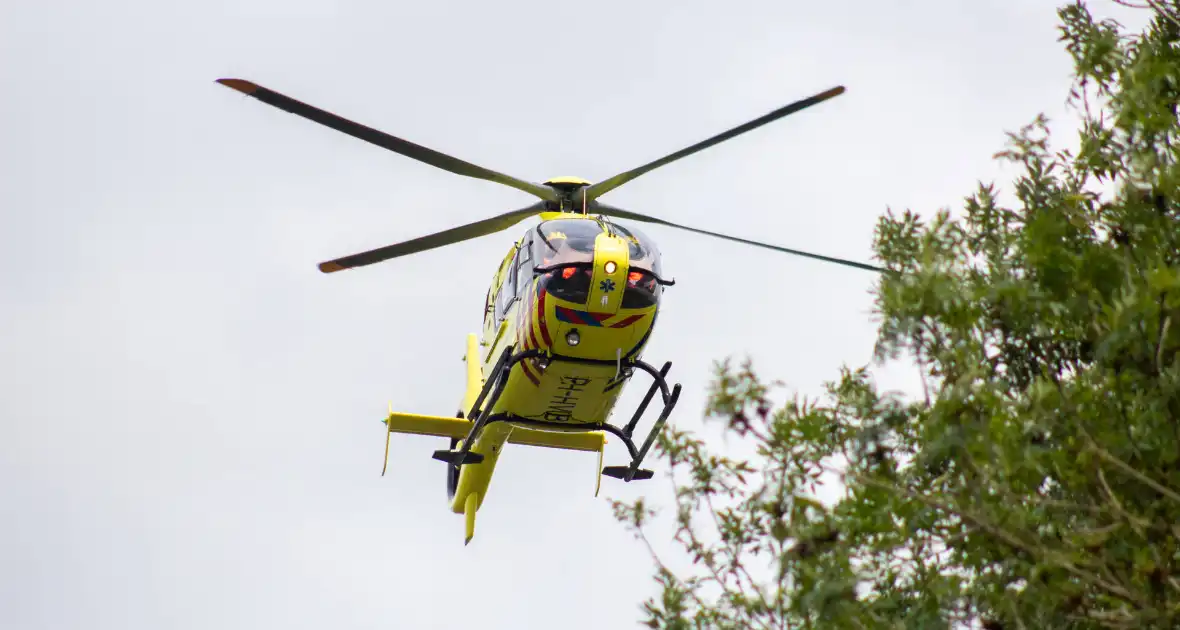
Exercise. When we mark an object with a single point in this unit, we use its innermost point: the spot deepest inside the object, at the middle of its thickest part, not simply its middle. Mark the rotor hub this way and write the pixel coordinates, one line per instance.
(566, 188)
(567, 183)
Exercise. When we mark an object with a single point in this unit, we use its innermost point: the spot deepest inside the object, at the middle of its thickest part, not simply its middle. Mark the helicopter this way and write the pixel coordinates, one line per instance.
(567, 315)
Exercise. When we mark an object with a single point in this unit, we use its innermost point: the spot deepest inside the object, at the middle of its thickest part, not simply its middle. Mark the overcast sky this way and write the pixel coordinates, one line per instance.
(191, 411)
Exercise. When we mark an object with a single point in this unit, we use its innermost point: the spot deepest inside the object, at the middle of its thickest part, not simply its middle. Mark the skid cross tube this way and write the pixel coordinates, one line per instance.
(495, 385)
(631, 472)
(632, 450)
(480, 413)
(487, 387)
(630, 428)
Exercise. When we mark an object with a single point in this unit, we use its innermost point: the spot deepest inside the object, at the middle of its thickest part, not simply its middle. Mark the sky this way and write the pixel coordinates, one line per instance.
(191, 411)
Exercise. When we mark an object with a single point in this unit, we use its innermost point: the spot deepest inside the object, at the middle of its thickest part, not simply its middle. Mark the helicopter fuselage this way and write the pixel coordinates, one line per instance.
(573, 287)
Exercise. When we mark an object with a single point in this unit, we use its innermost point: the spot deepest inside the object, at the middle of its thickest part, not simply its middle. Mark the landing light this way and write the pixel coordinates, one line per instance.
(573, 338)
(610, 267)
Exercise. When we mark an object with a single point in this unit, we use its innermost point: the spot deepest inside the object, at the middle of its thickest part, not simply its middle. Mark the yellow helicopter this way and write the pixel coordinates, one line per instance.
(566, 318)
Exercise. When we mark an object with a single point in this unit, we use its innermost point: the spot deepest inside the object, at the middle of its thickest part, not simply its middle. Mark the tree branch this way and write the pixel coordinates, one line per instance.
(1127, 468)
(1007, 537)
(1155, 4)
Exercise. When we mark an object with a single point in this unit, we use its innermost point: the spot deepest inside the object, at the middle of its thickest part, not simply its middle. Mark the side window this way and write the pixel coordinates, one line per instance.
(524, 262)
(507, 294)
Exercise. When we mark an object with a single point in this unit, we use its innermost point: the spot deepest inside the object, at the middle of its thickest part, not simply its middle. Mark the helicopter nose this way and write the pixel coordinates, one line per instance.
(609, 278)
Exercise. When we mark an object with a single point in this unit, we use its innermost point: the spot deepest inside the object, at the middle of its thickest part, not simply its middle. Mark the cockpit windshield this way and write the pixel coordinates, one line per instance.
(565, 242)
(565, 248)
(643, 252)
(571, 241)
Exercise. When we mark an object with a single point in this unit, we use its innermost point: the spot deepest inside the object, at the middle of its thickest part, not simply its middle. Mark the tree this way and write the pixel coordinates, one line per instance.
(1037, 483)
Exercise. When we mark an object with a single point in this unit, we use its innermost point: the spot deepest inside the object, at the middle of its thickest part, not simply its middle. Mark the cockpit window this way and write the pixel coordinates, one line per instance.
(571, 241)
(643, 251)
(566, 248)
(565, 242)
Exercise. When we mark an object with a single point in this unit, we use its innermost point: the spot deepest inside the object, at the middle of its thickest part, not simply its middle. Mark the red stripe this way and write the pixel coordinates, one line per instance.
(524, 366)
(541, 319)
(628, 321)
(530, 337)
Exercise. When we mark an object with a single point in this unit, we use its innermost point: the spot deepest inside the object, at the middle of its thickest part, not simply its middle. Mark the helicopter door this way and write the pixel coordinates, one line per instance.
(506, 294)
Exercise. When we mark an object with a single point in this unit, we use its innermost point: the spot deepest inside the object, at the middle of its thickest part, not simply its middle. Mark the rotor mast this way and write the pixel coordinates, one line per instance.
(567, 188)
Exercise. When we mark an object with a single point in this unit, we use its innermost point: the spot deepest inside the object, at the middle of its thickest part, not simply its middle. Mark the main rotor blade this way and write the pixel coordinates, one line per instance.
(607, 185)
(384, 140)
(635, 216)
(433, 241)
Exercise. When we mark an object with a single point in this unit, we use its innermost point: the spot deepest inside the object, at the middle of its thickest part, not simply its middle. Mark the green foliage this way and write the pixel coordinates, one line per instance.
(1037, 484)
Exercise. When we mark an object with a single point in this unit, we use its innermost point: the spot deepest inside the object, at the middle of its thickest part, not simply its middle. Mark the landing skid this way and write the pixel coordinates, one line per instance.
(494, 387)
